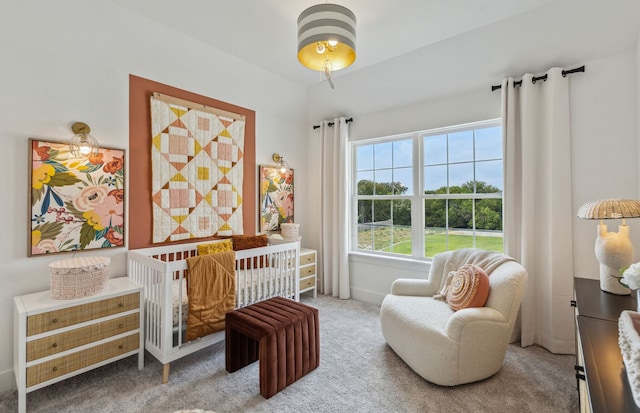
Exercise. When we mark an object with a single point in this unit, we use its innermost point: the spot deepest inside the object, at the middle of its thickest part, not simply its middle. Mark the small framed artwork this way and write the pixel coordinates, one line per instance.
(276, 197)
(76, 204)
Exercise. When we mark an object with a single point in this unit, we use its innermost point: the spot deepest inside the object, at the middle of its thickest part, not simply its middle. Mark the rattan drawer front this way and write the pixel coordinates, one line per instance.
(41, 323)
(306, 271)
(307, 259)
(71, 339)
(63, 365)
(307, 282)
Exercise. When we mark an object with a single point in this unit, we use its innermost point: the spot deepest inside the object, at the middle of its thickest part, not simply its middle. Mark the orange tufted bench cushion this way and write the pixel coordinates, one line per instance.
(282, 334)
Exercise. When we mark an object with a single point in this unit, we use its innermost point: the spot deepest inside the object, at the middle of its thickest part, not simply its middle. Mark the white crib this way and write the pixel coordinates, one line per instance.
(161, 271)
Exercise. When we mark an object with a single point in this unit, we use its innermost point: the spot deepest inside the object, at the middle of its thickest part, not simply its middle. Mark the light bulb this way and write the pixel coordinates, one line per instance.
(333, 43)
(82, 144)
(320, 48)
(85, 149)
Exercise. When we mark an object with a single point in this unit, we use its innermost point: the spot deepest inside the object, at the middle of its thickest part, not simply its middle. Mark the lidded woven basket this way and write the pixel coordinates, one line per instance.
(289, 231)
(78, 277)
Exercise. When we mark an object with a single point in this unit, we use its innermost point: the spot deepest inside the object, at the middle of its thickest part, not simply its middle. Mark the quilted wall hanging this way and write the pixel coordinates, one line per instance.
(197, 170)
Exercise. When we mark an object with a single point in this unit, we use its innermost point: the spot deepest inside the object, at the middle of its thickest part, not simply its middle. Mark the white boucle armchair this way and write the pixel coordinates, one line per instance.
(446, 347)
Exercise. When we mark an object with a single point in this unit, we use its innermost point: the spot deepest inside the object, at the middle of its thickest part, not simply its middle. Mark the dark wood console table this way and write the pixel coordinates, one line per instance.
(597, 352)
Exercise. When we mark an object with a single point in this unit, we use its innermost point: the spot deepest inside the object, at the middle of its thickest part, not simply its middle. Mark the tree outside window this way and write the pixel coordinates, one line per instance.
(460, 172)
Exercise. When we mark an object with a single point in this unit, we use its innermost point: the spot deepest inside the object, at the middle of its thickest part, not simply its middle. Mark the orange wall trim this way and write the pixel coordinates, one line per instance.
(140, 207)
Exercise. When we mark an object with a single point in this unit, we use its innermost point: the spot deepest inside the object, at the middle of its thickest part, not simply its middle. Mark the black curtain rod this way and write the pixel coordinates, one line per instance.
(331, 123)
(544, 77)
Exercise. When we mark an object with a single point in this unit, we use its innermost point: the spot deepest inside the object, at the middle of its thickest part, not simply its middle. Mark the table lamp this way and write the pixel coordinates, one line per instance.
(613, 249)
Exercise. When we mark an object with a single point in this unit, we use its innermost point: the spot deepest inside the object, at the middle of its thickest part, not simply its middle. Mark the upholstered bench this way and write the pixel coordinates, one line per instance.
(282, 334)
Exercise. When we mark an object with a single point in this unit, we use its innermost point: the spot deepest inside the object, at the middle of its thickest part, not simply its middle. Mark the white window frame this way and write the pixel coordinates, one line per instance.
(418, 197)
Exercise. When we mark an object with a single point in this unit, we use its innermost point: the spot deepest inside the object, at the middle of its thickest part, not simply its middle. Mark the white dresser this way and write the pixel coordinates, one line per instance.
(308, 271)
(58, 339)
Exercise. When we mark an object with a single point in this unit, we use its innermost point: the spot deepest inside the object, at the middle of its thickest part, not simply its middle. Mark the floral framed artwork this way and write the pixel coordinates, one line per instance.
(276, 197)
(76, 203)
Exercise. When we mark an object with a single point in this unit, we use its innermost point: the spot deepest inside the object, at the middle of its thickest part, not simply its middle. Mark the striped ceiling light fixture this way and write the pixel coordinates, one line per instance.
(327, 37)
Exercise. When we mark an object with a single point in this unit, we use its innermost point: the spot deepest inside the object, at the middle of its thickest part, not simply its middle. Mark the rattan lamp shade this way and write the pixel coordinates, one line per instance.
(610, 209)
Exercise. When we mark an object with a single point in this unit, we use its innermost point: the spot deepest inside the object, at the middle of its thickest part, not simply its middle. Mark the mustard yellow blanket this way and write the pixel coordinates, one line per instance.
(211, 288)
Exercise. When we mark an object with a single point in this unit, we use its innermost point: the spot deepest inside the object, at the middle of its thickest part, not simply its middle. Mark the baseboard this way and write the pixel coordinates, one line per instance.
(7, 381)
(367, 296)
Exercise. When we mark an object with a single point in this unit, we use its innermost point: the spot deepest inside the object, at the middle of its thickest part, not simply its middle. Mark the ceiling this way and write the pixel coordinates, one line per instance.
(264, 32)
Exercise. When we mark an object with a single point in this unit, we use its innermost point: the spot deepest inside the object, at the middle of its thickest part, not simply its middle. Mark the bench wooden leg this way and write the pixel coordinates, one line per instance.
(165, 373)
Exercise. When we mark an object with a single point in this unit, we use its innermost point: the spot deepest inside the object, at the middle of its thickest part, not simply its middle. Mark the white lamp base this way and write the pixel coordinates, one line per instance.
(609, 282)
(614, 252)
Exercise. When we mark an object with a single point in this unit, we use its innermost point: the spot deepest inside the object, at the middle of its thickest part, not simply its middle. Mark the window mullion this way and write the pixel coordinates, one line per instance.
(417, 205)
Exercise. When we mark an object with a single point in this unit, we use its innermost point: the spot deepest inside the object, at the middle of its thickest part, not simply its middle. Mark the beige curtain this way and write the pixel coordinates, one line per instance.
(335, 209)
(537, 204)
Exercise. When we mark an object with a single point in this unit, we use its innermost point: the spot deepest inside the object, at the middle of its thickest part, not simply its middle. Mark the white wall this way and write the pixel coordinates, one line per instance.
(562, 33)
(604, 122)
(67, 61)
(449, 82)
(604, 112)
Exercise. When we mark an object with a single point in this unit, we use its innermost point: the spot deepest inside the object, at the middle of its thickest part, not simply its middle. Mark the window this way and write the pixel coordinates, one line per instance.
(427, 192)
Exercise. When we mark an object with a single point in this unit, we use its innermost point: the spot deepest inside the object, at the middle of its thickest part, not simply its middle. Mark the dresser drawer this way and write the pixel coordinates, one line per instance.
(52, 320)
(58, 343)
(67, 364)
(307, 259)
(307, 282)
(307, 271)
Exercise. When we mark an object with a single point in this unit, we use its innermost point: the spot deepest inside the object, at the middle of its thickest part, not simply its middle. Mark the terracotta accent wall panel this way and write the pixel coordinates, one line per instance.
(140, 207)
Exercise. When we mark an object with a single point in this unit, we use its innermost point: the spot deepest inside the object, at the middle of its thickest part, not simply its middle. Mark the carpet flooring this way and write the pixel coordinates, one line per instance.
(358, 372)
